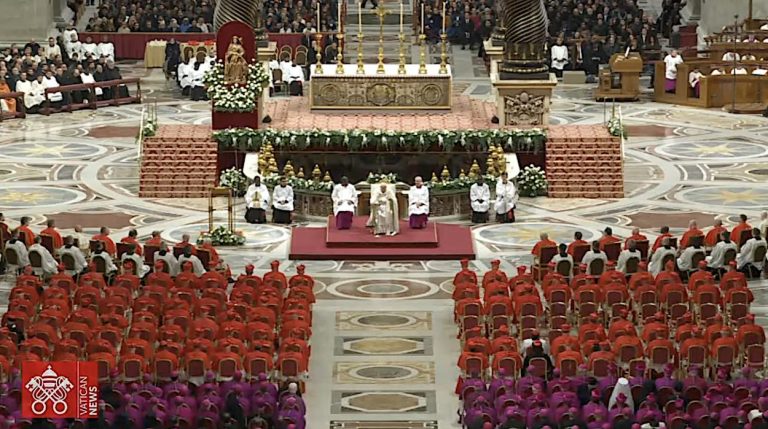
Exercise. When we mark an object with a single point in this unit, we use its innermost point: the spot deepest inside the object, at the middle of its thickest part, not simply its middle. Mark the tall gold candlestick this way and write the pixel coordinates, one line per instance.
(381, 12)
(401, 66)
(360, 66)
(319, 55)
(422, 54)
(339, 55)
(444, 16)
(443, 54)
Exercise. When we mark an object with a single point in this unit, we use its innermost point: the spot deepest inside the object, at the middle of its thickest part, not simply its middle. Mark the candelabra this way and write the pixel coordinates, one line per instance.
(339, 55)
(319, 55)
(422, 54)
(381, 12)
(401, 66)
(443, 54)
(360, 66)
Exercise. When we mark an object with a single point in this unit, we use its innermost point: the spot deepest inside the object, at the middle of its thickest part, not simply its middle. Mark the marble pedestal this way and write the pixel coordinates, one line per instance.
(496, 55)
(264, 55)
(523, 102)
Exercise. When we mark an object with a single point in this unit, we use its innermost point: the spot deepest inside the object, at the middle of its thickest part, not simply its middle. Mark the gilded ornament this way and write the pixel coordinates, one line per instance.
(300, 175)
(445, 174)
(288, 169)
(474, 170)
(434, 178)
(235, 65)
(316, 173)
(327, 177)
(273, 166)
(462, 175)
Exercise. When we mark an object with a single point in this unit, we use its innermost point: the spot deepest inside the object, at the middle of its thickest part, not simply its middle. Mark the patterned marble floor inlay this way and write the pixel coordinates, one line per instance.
(383, 346)
(389, 289)
(384, 372)
(374, 402)
(383, 321)
(339, 424)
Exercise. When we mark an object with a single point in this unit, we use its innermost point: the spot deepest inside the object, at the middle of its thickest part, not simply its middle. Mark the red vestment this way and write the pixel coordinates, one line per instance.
(714, 235)
(536, 251)
(635, 237)
(574, 244)
(57, 240)
(109, 245)
(130, 240)
(736, 233)
(688, 235)
(607, 239)
(29, 236)
(659, 239)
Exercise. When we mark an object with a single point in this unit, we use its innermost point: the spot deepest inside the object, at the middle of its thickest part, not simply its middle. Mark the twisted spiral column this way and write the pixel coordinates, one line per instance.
(247, 11)
(525, 35)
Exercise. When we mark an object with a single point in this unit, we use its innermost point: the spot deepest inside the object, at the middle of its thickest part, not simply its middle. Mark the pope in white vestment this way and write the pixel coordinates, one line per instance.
(418, 204)
(257, 202)
(282, 202)
(480, 200)
(384, 210)
(344, 198)
(506, 199)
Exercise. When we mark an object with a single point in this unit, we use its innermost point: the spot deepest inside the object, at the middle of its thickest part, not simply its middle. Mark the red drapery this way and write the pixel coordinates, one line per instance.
(130, 46)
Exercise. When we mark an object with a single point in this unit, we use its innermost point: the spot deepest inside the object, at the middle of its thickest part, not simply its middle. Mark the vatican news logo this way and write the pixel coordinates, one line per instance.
(59, 390)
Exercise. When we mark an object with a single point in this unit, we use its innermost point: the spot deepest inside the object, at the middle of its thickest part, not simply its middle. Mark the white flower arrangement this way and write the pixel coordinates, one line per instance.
(298, 183)
(235, 98)
(532, 181)
(382, 177)
(221, 236)
(616, 128)
(234, 179)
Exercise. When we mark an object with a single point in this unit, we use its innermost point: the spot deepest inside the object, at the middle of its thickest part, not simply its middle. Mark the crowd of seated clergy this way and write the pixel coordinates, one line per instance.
(175, 348)
(46, 250)
(744, 246)
(63, 61)
(731, 63)
(608, 351)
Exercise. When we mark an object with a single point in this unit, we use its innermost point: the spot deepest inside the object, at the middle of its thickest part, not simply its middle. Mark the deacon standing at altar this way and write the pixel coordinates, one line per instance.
(344, 198)
(418, 204)
(480, 199)
(256, 202)
(282, 202)
(384, 211)
(506, 199)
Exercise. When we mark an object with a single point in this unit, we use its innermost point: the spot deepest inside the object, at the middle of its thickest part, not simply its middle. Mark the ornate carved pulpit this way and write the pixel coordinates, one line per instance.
(621, 80)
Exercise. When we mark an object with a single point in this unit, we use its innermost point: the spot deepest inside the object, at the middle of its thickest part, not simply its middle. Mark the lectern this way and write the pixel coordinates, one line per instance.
(622, 79)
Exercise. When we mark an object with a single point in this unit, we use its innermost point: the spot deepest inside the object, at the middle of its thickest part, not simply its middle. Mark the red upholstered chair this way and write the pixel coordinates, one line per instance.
(579, 252)
(541, 268)
(612, 250)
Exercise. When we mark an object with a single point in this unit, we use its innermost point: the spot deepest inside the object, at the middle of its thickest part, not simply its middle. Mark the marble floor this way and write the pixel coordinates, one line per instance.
(379, 326)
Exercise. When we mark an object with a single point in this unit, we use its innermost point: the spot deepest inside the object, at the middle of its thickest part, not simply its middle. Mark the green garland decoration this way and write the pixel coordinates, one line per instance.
(247, 139)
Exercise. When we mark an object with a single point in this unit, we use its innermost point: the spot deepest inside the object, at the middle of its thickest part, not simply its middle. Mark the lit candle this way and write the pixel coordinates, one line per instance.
(444, 16)
(401, 17)
(359, 18)
(318, 17)
(422, 18)
(338, 22)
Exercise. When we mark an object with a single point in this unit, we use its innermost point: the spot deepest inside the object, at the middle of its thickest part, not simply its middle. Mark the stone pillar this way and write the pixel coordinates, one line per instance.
(264, 55)
(695, 7)
(23, 21)
(523, 102)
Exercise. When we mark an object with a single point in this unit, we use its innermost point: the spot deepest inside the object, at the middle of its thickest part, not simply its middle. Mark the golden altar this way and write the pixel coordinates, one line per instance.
(371, 90)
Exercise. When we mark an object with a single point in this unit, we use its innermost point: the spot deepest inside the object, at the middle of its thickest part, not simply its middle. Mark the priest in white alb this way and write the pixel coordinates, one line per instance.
(344, 198)
(256, 202)
(506, 199)
(282, 202)
(384, 210)
(480, 200)
(418, 204)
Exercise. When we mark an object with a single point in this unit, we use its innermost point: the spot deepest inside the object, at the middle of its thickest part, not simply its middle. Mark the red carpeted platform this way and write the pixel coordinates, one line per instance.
(452, 242)
(358, 234)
